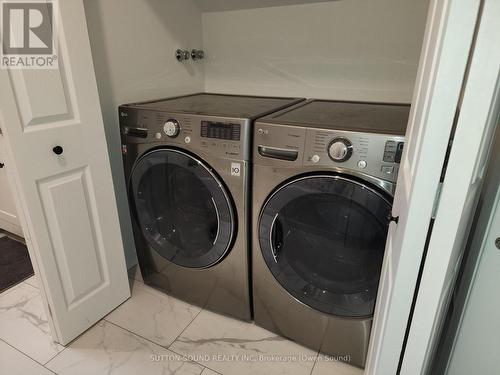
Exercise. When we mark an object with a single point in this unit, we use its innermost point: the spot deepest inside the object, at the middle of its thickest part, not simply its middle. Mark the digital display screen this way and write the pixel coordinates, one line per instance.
(393, 152)
(399, 152)
(220, 130)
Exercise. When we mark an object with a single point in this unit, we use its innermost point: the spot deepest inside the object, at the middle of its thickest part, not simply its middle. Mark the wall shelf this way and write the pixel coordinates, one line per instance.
(224, 5)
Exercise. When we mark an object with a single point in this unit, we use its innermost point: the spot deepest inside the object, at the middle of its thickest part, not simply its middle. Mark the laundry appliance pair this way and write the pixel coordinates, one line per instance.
(294, 195)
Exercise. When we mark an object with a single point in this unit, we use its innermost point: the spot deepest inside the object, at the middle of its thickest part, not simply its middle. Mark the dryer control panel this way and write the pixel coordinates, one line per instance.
(375, 155)
(219, 136)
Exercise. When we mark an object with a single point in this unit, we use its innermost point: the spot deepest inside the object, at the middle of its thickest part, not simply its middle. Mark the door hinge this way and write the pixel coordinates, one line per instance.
(436, 200)
(392, 218)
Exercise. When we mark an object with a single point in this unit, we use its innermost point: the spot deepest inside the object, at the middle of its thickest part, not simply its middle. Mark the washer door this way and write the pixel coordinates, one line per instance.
(323, 238)
(182, 208)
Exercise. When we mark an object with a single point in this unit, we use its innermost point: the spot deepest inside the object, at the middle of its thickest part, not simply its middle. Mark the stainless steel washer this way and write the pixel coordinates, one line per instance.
(323, 181)
(187, 167)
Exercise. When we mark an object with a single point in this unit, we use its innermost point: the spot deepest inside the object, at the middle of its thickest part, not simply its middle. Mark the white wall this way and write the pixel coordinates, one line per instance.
(9, 219)
(133, 44)
(350, 49)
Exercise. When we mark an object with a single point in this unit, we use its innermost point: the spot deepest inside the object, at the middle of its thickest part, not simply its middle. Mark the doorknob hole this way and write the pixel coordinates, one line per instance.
(58, 150)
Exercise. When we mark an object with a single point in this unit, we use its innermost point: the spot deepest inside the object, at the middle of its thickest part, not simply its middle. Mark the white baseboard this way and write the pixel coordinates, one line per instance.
(12, 228)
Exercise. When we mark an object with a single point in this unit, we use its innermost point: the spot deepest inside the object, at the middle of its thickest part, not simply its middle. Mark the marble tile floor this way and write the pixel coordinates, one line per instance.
(151, 333)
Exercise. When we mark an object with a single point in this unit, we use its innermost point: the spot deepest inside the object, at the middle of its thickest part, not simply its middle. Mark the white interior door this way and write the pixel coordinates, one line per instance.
(448, 38)
(478, 118)
(70, 214)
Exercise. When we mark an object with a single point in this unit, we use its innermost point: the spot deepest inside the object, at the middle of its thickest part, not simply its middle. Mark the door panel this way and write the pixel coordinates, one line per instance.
(68, 201)
(182, 208)
(30, 85)
(323, 237)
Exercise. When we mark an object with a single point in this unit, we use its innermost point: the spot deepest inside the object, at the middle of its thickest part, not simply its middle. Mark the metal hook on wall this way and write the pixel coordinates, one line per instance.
(182, 55)
(197, 54)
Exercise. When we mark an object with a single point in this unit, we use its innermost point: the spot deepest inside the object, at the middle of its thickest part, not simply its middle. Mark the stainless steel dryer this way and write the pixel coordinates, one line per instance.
(187, 168)
(324, 177)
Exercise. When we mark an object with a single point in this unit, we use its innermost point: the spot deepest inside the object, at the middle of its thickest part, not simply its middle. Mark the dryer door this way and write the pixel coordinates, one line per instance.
(323, 239)
(182, 208)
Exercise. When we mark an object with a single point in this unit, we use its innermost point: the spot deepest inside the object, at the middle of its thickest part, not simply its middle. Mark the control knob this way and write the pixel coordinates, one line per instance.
(171, 128)
(340, 149)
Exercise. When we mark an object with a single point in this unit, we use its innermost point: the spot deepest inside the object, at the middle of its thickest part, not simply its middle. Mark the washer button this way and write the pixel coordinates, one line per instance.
(361, 164)
(315, 158)
(187, 139)
(387, 169)
(158, 135)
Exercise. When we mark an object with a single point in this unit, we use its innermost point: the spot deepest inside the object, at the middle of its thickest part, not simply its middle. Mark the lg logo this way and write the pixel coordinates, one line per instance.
(27, 28)
(235, 169)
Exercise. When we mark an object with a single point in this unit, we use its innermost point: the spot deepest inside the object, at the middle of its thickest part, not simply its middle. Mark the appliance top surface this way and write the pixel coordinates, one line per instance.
(235, 106)
(350, 116)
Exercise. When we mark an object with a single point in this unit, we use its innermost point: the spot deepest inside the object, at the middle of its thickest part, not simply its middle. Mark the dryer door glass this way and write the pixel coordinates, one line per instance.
(323, 238)
(182, 208)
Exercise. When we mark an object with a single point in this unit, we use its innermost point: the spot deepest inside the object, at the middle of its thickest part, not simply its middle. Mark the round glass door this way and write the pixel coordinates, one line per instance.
(323, 238)
(182, 208)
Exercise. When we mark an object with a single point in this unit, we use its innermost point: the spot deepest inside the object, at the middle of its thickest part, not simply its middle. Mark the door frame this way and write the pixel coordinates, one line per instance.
(448, 43)
(461, 186)
(9, 221)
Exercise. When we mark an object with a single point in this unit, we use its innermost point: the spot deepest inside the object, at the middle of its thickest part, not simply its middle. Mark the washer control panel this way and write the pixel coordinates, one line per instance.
(221, 130)
(222, 137)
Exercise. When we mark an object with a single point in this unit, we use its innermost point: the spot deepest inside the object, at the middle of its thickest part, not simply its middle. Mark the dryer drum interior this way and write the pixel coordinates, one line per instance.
(182, 208)
(323, 238)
